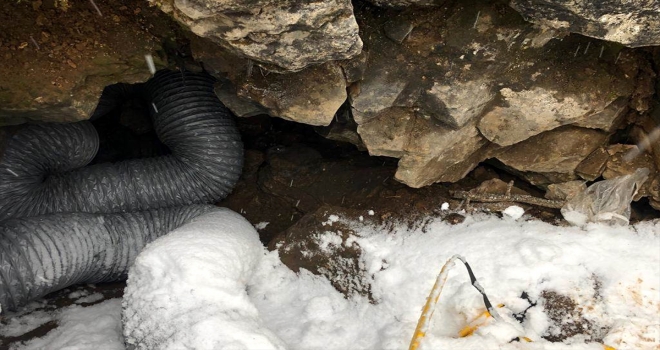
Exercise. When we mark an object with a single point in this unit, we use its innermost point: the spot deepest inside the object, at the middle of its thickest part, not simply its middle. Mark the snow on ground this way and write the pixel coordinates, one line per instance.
(95, 327)
(188, 289)
(509, 257)
(27, 319)
(612, 273)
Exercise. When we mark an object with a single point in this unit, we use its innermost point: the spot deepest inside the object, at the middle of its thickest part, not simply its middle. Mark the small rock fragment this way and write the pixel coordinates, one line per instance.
(565, 190)
(397, 30)
(593, 166)
(454, 218)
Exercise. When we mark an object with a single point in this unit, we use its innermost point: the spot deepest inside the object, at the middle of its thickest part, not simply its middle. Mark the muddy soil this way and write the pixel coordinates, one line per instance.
(291, 171)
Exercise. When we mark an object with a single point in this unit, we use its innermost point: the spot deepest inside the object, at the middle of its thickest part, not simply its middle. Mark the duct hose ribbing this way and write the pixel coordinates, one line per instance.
(37, 177)
(109, 212)
(47, 253)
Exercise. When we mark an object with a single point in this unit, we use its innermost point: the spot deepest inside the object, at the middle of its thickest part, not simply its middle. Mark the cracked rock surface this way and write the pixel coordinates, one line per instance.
(286, 35)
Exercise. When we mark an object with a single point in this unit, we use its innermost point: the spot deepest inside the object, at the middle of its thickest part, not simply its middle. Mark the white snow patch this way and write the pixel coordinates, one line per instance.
(444, 206)
(78, 294)
(329, 241)
(19, 324)
(92, 298)
(262, 225)
(188, 288)
(197, 287)
(331, 219)
(371, 212)
(508, 257)
(95, 327)
(515, 212)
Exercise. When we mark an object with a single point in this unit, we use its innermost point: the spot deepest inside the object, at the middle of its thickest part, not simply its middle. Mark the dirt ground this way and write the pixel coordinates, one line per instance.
(291, 171)
(61, 57)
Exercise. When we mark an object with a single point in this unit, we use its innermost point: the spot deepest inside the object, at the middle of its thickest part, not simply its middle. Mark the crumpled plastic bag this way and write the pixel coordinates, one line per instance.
(606, 201)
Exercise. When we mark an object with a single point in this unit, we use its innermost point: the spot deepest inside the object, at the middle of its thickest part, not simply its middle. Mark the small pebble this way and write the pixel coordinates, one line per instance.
(454, 218)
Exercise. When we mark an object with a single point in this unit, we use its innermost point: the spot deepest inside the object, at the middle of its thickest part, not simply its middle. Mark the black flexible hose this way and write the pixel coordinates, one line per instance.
(205, 164)
(42, 171)
(113, 96)
(40, 255)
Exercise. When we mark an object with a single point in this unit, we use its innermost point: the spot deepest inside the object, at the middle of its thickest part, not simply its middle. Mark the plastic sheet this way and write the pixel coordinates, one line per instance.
(606, 201)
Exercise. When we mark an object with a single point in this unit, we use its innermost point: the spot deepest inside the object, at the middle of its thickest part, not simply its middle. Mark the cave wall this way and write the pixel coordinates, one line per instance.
(549, 90)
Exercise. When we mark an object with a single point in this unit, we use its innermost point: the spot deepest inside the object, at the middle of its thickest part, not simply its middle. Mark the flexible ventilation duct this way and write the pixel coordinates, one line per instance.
(44, 254)
(41, 173)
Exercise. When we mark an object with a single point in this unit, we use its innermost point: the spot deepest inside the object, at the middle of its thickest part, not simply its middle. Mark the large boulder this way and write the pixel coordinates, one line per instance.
(429, 152)
(554, 155)
(287, 35)
(529, 112)
(310, 96)
(443, 88)
(633, 23)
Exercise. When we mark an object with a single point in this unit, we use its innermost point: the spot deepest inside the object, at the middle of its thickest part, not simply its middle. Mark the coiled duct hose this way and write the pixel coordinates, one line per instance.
(44, 254)
(42, 172)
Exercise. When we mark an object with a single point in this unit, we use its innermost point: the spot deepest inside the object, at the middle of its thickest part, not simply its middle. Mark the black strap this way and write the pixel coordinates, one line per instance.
(478, 287)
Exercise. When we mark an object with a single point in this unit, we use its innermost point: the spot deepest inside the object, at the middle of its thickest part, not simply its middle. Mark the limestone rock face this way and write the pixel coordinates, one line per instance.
(429, 152)
(632, 23)
(241, 107)
(286, 34)
(555, 154)
(565, 190)
(388, 134)
(593, 166)
(312, 96)
(444, 88)
(458, 103)
(436, 153)
(378, 91)
(618, 165)
(529, 112)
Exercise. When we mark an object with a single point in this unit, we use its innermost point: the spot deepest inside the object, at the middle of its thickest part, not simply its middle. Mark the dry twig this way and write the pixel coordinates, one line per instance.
(496, 198)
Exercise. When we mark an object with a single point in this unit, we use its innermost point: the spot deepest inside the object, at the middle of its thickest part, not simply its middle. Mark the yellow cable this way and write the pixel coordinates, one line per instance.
(431, 302)
(474, 324)
(429, 307)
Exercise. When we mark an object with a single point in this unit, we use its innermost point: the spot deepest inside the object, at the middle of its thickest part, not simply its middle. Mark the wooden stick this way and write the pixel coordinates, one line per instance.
(496, 198)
